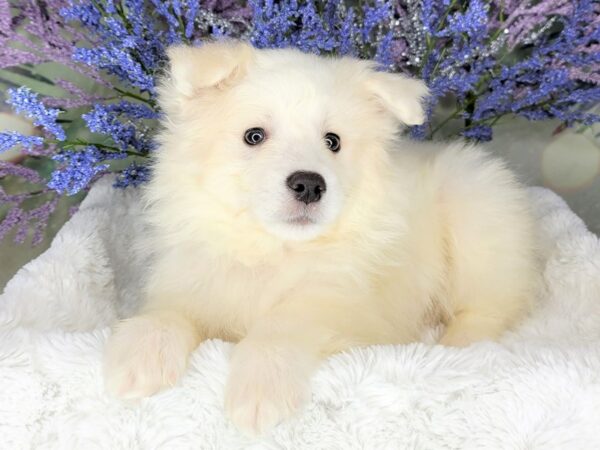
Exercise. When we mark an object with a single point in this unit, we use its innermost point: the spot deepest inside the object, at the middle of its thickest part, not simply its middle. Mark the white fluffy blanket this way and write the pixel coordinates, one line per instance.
(538, 388)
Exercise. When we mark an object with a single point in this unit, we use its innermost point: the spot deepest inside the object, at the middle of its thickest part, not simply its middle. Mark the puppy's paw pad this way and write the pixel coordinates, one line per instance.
(141, 358)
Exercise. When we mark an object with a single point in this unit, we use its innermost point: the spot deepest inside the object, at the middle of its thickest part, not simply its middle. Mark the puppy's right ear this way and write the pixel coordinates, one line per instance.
(214, 64)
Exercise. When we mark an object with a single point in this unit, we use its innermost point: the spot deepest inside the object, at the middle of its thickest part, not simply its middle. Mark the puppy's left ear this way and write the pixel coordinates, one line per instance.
(400, 95)
(214, 64)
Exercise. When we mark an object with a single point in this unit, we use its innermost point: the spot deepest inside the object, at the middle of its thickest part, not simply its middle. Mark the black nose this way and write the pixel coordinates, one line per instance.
(308, 186)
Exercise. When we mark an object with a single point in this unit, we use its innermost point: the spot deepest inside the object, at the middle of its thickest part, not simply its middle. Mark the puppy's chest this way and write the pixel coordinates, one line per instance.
(232, 296)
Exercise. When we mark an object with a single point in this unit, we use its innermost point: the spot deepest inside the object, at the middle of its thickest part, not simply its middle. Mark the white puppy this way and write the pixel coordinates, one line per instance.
(290, 217)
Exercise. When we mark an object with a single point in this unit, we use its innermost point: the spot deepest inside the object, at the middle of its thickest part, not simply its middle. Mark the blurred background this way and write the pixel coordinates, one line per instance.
(12, 255)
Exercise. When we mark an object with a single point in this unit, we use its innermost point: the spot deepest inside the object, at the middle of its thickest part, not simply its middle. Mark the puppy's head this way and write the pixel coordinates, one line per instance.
(277, 139)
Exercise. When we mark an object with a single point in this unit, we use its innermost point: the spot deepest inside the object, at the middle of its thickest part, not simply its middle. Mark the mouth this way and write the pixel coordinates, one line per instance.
(302, 220)
(298, 223)
(301, 215)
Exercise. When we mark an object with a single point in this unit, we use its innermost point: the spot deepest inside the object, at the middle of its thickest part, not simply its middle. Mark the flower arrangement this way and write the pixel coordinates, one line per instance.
(538, 59)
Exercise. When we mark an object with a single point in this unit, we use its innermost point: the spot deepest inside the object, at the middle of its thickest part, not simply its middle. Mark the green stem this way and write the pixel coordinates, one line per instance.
(135, 96)
(493, 120)
(25, 72)
(182, 29)
(431, 41)
(440, 125)
(496, 119)
(100, 8)
(37, 193)
(129, 28)
(470, 108)
(111, 148)
(437, 64)
(446, 14)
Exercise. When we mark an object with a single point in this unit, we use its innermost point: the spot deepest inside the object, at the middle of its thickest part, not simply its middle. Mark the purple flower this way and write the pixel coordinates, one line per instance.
(190, 17)
(106, 119)
(170, 11)
(134, 175)
(20, 216)
(471, 22)
(32, 32)
(117, 62)
(13, 218)
(374, 16)
(40, 216)
(10, 139)
(385, 56)
(482, 133)
(76, 99)
(23, 100)
(23, 220)
(85, 13)
(348, 30)
(76, 170)
(15, 170)
(525, 19)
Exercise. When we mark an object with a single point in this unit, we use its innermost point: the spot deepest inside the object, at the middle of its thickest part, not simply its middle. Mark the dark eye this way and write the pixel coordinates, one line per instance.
(333, 142)
(254, 136)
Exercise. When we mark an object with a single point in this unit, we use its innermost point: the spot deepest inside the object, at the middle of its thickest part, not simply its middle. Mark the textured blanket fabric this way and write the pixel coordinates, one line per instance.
(538, 388)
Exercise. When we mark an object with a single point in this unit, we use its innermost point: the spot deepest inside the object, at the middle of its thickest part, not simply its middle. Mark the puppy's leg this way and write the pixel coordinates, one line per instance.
(148, 352)
(269, 376)
(271, 367)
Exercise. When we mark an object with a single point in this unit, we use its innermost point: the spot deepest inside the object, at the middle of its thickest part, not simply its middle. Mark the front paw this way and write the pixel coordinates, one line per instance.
(144, 355)
(265, 386)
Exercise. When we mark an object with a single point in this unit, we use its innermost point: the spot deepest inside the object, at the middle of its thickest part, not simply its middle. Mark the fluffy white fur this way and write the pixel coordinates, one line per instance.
(406, 234)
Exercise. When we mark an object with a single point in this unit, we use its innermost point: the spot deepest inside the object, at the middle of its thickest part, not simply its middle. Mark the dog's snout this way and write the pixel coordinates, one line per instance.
(307, 186)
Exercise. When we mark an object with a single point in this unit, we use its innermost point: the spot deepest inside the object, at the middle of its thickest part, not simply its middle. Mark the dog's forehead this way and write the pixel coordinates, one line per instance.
(293, 79)
(301, 80)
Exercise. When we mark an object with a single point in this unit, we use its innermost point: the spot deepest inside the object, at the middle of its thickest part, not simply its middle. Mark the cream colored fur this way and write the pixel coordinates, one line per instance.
(406, 234)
